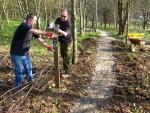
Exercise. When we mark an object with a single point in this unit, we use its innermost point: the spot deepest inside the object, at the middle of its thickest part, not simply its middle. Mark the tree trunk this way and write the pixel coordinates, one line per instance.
(93, 18)
(81, 17)
(26, 6)
(115, 16)
(86, 20)
(63, 4)
(144, 24)
(5, 12)
(127, 22)
(105, 19)
(84, 14)
(1, 22)
(73, 20)
(120, 5)
(96, 16)
(46, 16)
(145, 20)
(123, 15)
(37, 5)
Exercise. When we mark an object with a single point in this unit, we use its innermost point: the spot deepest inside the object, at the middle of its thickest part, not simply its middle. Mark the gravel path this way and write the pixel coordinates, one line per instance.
(100, 90)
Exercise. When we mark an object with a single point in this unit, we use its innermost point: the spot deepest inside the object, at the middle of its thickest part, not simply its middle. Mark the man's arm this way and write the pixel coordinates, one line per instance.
(40, 32)
(64, 33)
(44, 44)
(66, 30)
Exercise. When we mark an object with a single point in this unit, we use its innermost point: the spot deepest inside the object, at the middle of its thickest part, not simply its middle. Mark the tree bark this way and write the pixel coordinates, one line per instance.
(122, 15)
(73, 20)
(4, 10)
(37, 5)
(96, 15)
(105, 19)
(93, 18)
(84, 14)
(120, 9)
(81, 17)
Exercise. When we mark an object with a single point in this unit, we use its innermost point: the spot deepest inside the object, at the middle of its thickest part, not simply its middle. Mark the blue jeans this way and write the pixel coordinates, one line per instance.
(21, 63)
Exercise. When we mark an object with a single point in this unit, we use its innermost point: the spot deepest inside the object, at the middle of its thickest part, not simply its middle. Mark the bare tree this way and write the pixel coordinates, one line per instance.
(5, 10)
(84, 14)
(81, 16)
(145, 7)
(96, 15)
(122, 14)
(73, 20)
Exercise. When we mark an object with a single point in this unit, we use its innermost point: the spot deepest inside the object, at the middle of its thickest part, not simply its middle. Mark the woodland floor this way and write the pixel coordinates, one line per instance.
(131, 94)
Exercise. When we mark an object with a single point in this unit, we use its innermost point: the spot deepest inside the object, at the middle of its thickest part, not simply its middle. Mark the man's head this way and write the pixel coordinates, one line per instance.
(64, 14)
(31, 19)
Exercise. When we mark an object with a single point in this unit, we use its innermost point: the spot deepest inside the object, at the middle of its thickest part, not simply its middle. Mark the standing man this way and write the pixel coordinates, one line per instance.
(65, 39)
(20, 46)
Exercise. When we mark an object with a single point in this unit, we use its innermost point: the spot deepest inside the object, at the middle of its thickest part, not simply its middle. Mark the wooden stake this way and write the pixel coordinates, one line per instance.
(56, 62)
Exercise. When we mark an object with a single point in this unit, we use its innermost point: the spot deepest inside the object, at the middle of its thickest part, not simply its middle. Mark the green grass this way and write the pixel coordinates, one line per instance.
(7, 32)
(6, 35)
(132, 29)
(88, 36)
(110, 29)
(147, 34)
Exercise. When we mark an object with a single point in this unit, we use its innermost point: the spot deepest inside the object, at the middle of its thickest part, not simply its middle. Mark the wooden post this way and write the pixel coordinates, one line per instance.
(127, 22)
(56, 62)
(54, 28)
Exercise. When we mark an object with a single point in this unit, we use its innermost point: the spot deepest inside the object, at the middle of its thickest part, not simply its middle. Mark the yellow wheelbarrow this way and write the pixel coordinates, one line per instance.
(136, 40)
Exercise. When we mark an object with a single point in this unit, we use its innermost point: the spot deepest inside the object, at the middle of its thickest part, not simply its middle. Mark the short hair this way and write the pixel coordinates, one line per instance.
(64, 10)
(30, 16)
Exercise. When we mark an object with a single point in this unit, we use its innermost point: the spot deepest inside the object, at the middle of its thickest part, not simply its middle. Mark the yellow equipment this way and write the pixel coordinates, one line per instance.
(136, 40)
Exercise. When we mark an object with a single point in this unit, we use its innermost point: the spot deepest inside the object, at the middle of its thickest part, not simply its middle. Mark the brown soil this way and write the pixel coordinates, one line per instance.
(43, 97)
(131, 94)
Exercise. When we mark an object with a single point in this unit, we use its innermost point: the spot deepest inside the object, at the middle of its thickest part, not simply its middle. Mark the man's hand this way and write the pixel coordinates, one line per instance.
(63, 33)
(54, 35)
(58, 30)
(50, 48)
(49, 34)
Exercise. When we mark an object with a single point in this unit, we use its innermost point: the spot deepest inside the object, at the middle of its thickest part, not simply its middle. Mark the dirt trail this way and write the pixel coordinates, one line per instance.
(100, 90)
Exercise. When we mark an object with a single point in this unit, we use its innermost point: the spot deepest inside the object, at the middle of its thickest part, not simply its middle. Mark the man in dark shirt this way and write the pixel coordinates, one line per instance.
(20, 47)
(65, 40)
